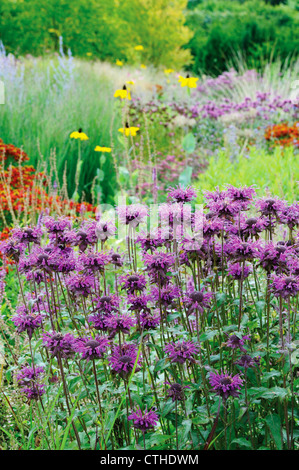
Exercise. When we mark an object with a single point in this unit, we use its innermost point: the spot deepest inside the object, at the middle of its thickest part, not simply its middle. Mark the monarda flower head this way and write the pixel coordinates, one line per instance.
(28, 379)
(144, 421)
(236, 342)
(133, 283)
(149, 320)
(57, 226)
(80, 284)
(270, 206)
(119, 323)
(123, 359)
(26, 321)
(94, 261)
(225, 385)
(180, 194)
(176, 392)
(85, 236)
(92, 348)
(241, 195)
(290, 216)
(197, 300)
(105, 230)
(247, 361)
(168, 295)
(273, 257)
(284, 286)
(182, 351)
(237, 271)
(59, 344)
(238, 250)
(132, 215)
(27, 235)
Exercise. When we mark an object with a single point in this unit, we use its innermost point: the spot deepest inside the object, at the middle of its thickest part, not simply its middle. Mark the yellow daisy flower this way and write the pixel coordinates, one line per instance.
(129, 130)
(168, 71)
(188, 81)
(130, 82)
(123, 94)
(139, 48)
(102, 149)
(143, 66)
(78, 135)
(119, 62)
(89, 54)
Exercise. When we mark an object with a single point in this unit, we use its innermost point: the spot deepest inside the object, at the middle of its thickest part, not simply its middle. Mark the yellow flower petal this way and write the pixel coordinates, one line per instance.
(102, 149)
(122, 94)
(139, 48)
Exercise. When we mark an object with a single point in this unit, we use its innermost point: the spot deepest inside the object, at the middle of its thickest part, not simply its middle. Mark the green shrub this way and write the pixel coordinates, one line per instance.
(257, 30)
(275, 173)
(106, 30)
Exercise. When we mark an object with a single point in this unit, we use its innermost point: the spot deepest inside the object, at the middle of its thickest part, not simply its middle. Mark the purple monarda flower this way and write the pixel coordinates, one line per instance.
(59, 344)
(116, 259)
(133, 283)
(29, 374)
(270, 206)
(167, 295)
(92, 348)
(12, 249)
(290, 216)
(237, 271)
(180, 194)
(122, 359)
(132, 215)
(176, 392)
(239, 250)
(242, 195)
(225, 385)
(85, 236)
(181, 351)
(57, 226)
(235, 342)
(28, 378)
(144, 421)
(80, 284)
(284, 286)
(247, 361)
(25, 321)
(94, 261)
(197, 300)
(149, 321)
(27, 235)
(119, 323)
(273, 257)
(105, 230)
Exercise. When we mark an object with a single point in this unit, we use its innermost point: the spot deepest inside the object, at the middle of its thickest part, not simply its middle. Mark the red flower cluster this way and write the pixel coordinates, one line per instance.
(9, 150)
(283, 135)
(23, 187)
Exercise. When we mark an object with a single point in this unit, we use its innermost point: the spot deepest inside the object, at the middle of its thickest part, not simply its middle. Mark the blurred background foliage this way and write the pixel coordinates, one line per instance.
(200, 34)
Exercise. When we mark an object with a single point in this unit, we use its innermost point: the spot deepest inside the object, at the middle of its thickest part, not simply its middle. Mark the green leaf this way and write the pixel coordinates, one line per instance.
(189, 143)
(274, 424)
(185, 176)
(241, 441)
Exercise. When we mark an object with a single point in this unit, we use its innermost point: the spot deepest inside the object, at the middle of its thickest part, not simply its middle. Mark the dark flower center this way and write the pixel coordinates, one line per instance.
(125, 359)
(92, 344)
(133, 278)
(82, 234)
(250, 222)
(226, 381)
(105, 299)
(196, 296)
